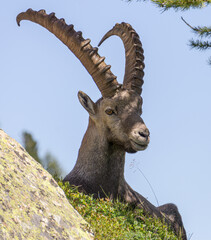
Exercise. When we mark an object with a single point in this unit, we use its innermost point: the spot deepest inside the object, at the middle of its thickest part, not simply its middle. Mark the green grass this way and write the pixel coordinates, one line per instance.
(116, 220)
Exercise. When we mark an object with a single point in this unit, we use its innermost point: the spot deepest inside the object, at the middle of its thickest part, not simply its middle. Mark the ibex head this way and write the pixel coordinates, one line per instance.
(118, 119)
(117, 114)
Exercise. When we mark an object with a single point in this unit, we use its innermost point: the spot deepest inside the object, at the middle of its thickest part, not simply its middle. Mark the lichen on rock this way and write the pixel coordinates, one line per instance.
(32, 205)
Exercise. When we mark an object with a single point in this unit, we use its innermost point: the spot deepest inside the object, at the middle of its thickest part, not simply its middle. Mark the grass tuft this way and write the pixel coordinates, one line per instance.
(116, 220)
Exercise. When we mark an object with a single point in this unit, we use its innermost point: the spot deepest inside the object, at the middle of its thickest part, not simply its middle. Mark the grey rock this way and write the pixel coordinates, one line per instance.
(32, 205)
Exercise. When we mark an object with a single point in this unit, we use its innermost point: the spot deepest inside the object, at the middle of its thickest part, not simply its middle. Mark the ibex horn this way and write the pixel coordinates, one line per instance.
(134, 64)
(89, 57)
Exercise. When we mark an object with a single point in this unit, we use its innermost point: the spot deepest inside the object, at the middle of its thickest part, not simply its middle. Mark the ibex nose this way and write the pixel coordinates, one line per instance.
(141, 134)
(139, 138)
(144, 133)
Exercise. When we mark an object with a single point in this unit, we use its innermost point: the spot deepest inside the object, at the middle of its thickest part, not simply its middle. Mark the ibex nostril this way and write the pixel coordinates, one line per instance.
(143, 134)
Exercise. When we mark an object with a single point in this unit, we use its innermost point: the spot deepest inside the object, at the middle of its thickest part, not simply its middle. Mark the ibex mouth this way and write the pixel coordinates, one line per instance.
(137, 146)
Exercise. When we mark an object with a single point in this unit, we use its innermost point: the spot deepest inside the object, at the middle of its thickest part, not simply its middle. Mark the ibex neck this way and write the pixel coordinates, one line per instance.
(99, 163)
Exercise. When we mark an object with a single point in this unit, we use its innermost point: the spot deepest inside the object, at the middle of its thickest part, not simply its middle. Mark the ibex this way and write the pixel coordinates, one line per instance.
(115, 126)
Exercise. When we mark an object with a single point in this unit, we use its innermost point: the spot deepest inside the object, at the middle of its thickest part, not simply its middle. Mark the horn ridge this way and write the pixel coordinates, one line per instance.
(80, 47)
(134, 63)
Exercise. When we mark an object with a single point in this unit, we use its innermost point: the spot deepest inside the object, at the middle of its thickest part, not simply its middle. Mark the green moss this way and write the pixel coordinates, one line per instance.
(116, 220)
(32, 206)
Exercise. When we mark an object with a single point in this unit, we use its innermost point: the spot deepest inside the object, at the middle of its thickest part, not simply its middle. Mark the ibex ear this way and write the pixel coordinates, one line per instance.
(86, 102)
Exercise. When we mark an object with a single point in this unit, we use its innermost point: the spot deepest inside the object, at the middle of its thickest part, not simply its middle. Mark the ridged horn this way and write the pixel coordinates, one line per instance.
(81, 48)
(134, 64)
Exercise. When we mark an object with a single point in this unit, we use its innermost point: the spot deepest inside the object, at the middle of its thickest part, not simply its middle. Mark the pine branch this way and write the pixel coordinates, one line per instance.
(193, 28)
(200, 45)
(201, 31)
(179, 4)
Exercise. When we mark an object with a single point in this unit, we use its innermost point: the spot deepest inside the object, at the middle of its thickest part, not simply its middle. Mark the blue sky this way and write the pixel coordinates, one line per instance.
(40, 79)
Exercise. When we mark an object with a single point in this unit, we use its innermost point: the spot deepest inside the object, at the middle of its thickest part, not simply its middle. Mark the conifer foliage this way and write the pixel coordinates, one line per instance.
(179, 4)
(203, 32)
(49, 162)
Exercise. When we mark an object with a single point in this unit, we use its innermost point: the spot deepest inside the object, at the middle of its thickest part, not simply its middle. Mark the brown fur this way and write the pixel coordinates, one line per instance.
(99, 169)
(115, 126)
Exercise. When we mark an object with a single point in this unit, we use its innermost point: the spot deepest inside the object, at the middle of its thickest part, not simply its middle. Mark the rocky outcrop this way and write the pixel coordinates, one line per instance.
(32, 205)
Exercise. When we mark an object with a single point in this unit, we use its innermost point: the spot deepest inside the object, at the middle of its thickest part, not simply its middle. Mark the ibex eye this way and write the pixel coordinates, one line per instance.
(109, 111)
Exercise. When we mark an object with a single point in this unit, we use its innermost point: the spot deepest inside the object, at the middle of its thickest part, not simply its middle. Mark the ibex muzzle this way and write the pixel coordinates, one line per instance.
(115, 125)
